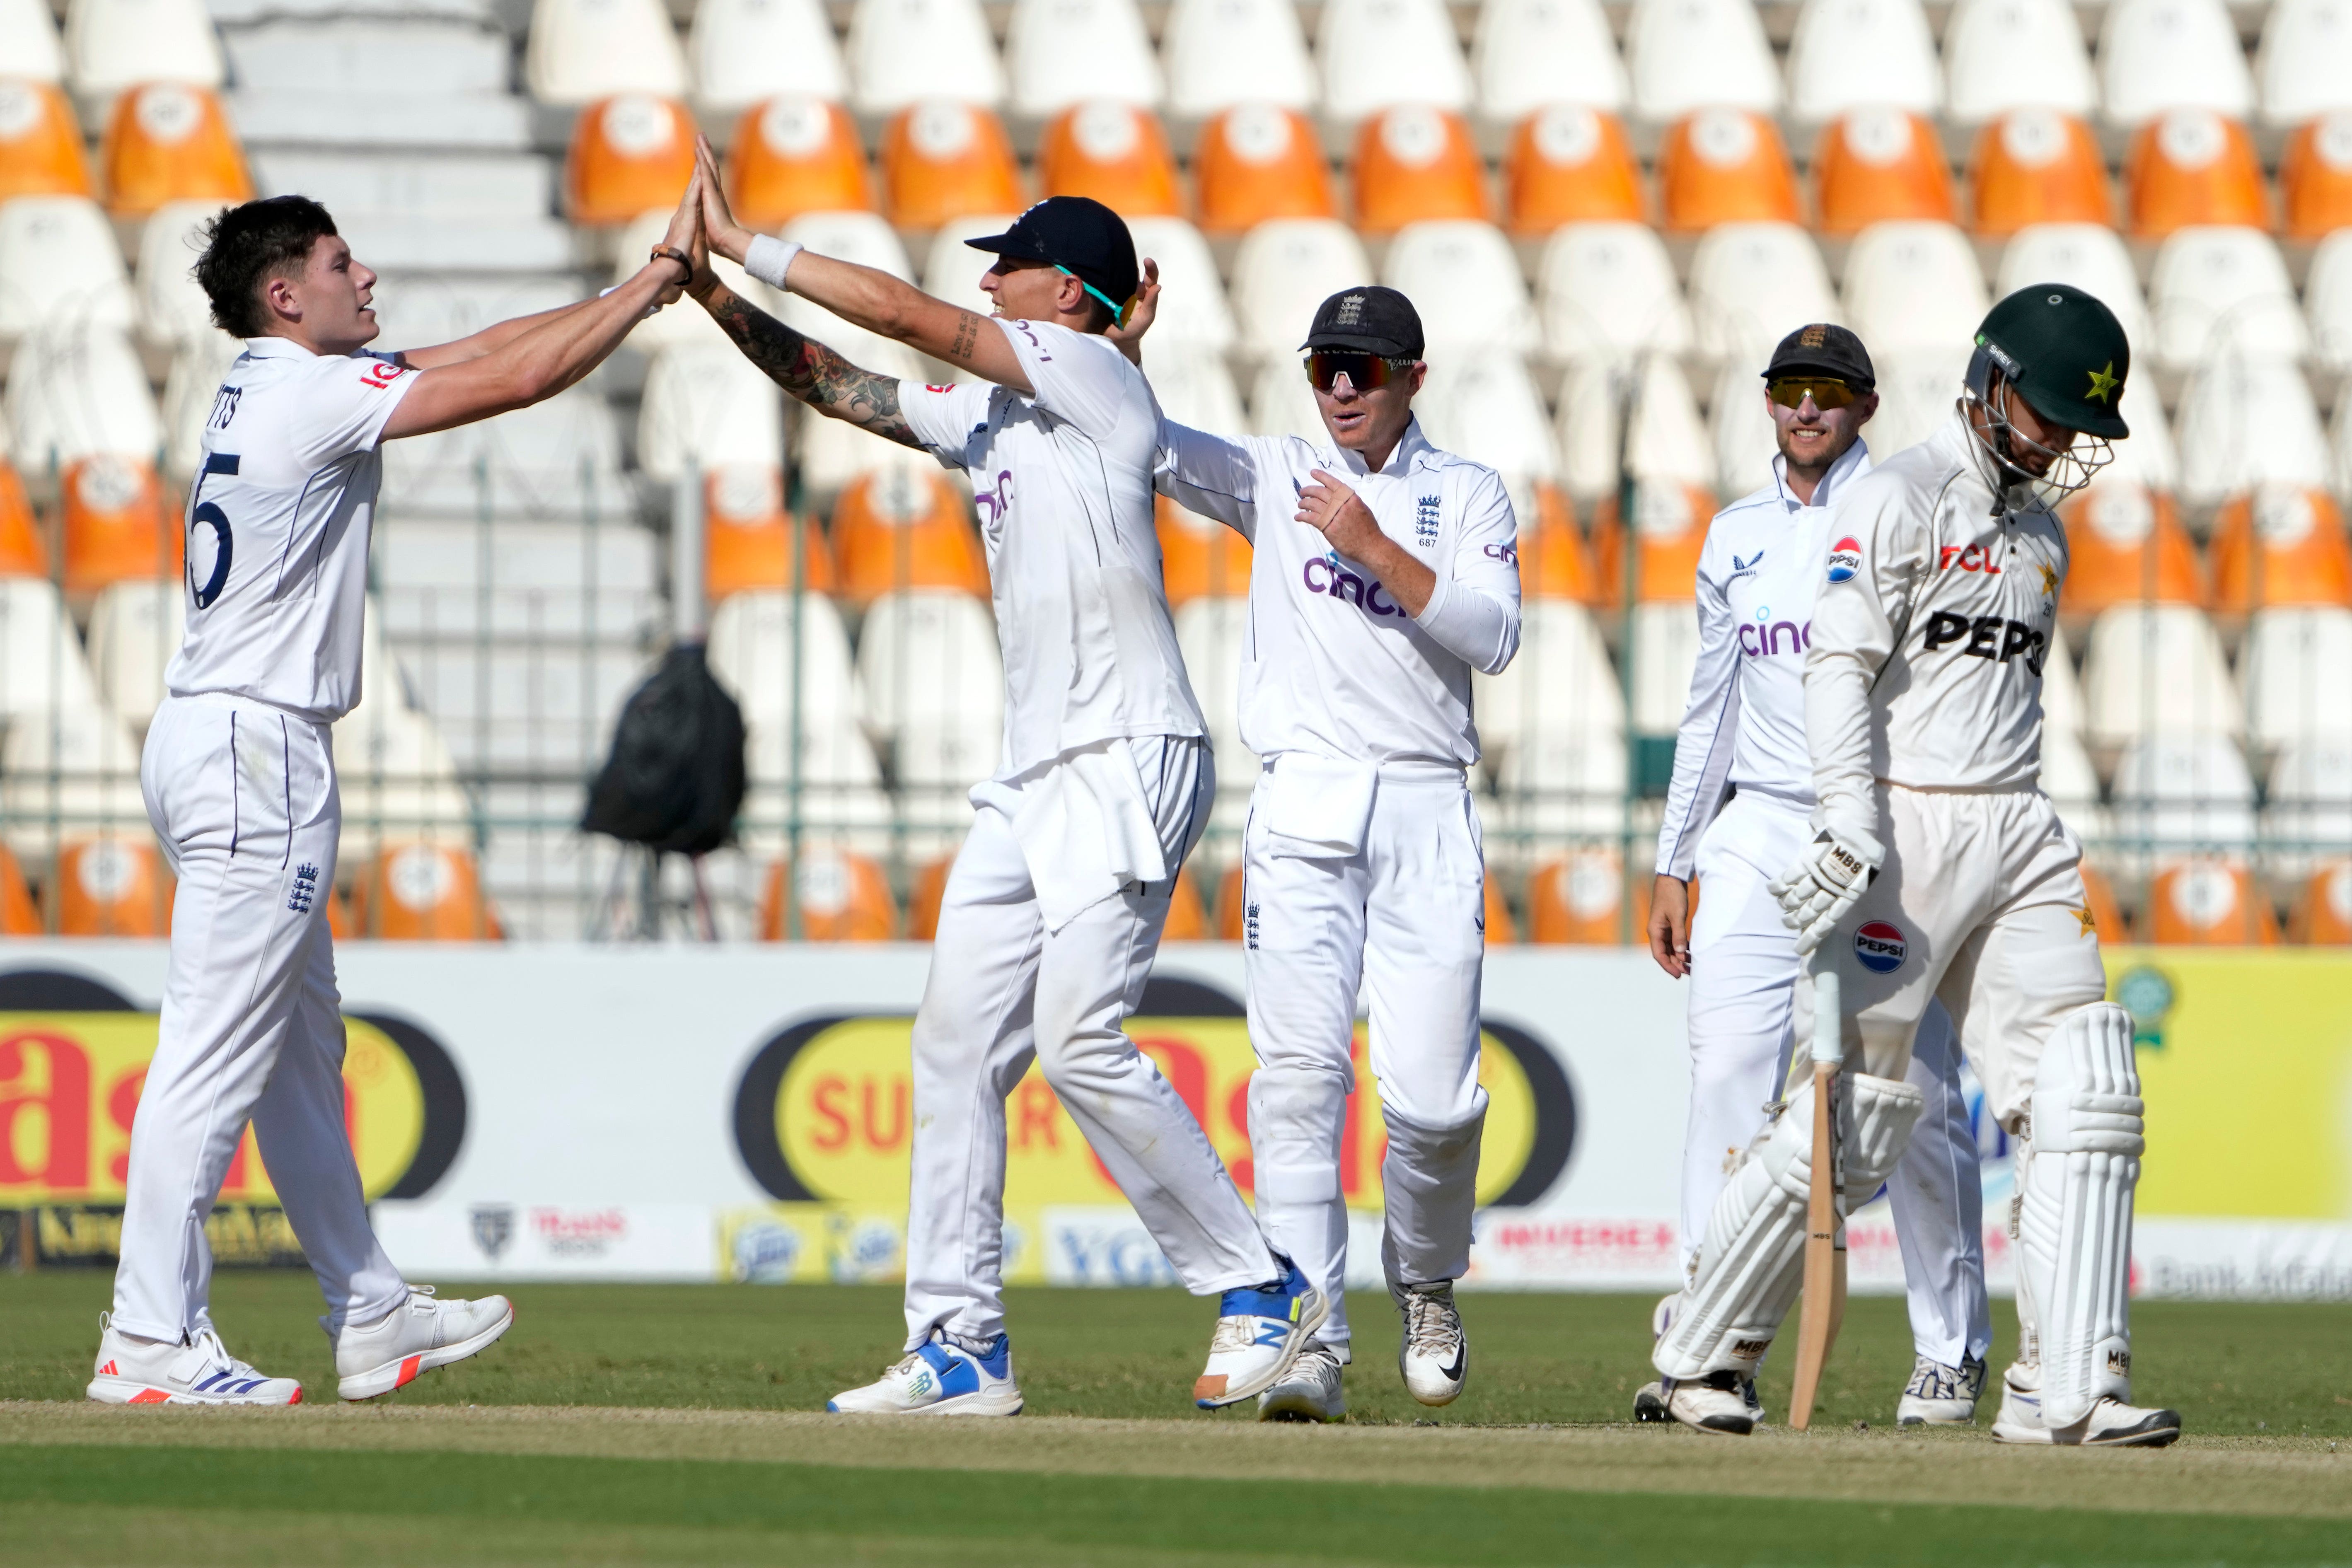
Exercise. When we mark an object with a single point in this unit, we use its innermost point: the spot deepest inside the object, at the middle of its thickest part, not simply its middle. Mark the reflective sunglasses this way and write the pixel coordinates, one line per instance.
(1827, 392)
(1365, 372)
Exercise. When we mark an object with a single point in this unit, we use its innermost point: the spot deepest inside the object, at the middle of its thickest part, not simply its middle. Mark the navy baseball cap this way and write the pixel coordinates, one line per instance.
(1081, 237)
(1825, 350)
(1371, 318)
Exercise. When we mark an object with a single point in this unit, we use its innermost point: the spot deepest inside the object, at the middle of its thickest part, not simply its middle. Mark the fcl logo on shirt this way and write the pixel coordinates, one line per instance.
(1845, 559)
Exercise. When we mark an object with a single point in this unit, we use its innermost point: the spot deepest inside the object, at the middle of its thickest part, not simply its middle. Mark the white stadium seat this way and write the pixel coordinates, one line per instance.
(1685, 55)
(1528, 54)
(2155, 55)
(2179, 791)
(68, 773)
(1740, 428)
(708, 406)
(1914, 286)
(28, 40)
(1061, 52)
(398, 781)
(2148, 457)
(757, 637)
(2061, 689)
(2220, 291)
(1463, 279)
(189, 388)
(2157, 667)
(2327, 300)
(1483, 404)
(1917, 390)
(1608, 291)
(902, 51)
(749, 51)
(1668, 442)
(2243, 421)
(1283, 403)
(1194, 387)
(2089, 256)
(1285, 269)
(1752, 284)
(1560, 682)
(1666, 652)
(2001, 55)
(1192, 304)
(41, 665)
(934, 684)
(561, 457)
(1213, 634)
(73, 391)
(2296, 672)
(135, 630)
(1559, 784)
(172, 310)
(2303, 65)
(2310, 803)
(581, 50)
(114, 44)
(1862, 53)
(1377, 54)
(60, 263)
(952, 269)
(1220, 53)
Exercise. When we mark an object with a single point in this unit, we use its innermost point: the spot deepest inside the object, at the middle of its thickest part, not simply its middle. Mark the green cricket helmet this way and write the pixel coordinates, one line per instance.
(2065, 352)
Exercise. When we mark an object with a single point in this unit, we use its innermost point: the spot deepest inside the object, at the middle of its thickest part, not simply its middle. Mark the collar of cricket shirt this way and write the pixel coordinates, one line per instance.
(1410, 448)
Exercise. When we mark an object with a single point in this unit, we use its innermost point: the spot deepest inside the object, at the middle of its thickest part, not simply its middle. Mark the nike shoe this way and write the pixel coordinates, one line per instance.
(196, 1371)
(939, 1377)
(2111, 1424)
(1436, 1355)
(414, 1337)
(1261, 1329)
(1309, 1390)
(1715, 1403)
(1940, 1395)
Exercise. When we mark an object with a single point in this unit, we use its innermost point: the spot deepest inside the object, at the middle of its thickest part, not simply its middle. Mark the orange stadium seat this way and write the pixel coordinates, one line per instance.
(2315, 177)
(40, 144)
(423, 892)
(2323, 912)
(840, 896)
(1414, 163)
(2209, 903)
(2037, 165)
(1256, 162)
(1581, 899)
(748, 542)
(930, 891)
(1569, 165)
(1501, 928)
(943, 160)
(1232, 918)
(795, 155)
(2281, 545)
(1554, 562)
(23, 552)
(19, 916)
(169, 141)
(1725, 165)
(1670, 524)
(116, 524)
(900, 527)
(1199, 559)
(630, 154)
(2128, 547)
(1188, 916)
(113, 887)
(2191, 166)
(1877, 165)
(2099, 898)
(339, 916)
(1116, 153)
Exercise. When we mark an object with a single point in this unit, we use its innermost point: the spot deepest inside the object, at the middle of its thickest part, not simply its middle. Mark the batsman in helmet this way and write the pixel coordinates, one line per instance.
(1939, 870)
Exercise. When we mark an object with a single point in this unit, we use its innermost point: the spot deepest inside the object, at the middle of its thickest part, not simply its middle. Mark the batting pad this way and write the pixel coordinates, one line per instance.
(2074, 1219)
(1752, 1263)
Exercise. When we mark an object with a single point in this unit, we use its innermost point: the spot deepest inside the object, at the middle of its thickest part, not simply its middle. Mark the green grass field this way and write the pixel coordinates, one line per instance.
(642, 1424)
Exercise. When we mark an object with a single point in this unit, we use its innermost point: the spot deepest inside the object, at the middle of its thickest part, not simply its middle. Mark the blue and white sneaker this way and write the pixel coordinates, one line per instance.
(939, 1378)
(1260, 1332)
(195, 1370)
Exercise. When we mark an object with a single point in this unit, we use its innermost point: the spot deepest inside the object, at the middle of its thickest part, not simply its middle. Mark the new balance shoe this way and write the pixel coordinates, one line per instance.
(416, 1336)
(1261, 1329)
(1309, 1390)
(196, 1371)
(1940, 1395)
(1436, 1355)
(938, 1377)
(1715, 1403)
(2111, 1424)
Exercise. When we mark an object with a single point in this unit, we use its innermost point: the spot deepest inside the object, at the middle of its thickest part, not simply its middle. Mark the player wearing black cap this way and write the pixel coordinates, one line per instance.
(1054, 907)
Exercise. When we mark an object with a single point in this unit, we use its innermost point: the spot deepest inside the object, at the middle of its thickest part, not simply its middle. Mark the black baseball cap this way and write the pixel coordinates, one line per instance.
(1372, 318)
(1081, 237)
(1824, 350)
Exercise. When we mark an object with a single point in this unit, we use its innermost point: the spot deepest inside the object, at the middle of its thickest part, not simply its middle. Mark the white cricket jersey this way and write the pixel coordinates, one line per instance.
(1758, 573)
(1934, 615)
(1332, 664)
(1062, 481)
(278, 526)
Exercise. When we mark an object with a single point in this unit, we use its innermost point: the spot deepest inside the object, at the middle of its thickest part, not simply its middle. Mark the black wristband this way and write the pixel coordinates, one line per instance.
(672, 253)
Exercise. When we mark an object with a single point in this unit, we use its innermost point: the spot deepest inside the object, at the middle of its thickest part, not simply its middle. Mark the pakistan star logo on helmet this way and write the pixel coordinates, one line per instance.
(2104, 383)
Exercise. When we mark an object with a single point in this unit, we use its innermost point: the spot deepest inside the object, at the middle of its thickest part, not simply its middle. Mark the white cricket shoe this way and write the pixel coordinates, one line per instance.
(938, 1377)
(2111, 1424)
(199, 1371)
(1940, 1395)
(1261, 1329)
(1436, 1355)
(1309, 1390)
(1716, 1404)
(414, 1337)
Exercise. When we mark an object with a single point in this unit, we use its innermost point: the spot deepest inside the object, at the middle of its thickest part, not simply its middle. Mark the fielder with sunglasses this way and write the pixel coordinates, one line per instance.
(1383, 573)
(1736, 816)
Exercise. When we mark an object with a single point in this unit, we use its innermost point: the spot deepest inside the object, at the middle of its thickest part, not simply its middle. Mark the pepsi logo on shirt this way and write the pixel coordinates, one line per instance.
(1880, 946)
(1845, 559)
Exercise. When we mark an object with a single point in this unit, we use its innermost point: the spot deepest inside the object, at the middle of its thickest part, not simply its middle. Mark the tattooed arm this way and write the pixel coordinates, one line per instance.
(809, 371)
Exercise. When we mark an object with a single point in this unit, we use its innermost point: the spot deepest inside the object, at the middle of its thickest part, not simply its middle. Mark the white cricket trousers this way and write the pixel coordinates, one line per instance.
(1003, 990)
(243, 797)
(1744, 969)
(1403, 922)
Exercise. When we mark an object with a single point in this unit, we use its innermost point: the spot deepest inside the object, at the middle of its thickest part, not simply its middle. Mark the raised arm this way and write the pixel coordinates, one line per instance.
(806, 368)
(489, 341)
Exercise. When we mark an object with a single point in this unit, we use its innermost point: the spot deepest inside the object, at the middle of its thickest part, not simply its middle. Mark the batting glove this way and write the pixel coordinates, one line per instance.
(1820, 890)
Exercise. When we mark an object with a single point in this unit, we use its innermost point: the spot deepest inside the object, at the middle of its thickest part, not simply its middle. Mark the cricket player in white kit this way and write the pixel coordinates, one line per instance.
(1923, 714)
(1383, 572)
(1054, 909)
(1744, 737)
(239, 777)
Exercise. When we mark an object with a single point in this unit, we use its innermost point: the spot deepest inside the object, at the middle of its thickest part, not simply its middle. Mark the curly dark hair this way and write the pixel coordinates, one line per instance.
(247, 245)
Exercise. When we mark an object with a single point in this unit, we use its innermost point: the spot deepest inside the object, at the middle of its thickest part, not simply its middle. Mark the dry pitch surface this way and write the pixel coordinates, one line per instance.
(624, 1425)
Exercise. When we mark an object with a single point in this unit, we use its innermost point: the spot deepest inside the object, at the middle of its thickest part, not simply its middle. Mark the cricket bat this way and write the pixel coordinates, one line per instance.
(1824, 1243)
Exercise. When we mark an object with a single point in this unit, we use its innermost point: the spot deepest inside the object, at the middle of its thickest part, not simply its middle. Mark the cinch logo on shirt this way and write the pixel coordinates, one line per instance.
(1760, 641)
(1845, 559)
(1325, 575)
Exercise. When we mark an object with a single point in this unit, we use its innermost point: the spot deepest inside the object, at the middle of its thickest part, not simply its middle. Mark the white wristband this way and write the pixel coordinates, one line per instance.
(767, 259)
